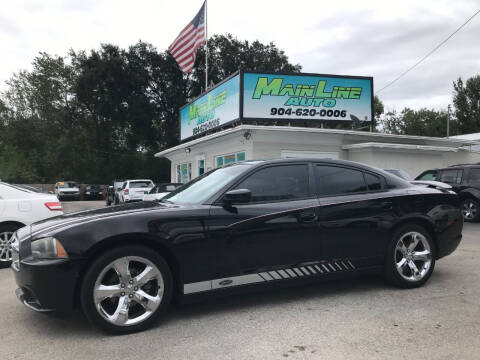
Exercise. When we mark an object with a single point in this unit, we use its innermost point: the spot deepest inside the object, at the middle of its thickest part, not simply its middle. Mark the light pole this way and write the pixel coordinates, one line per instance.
(448, 121)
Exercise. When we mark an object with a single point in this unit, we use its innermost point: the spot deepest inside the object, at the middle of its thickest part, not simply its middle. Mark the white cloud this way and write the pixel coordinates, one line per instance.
(377, 38)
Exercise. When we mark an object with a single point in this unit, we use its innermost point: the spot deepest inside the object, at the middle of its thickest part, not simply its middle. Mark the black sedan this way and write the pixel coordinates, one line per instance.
(241, 227)
(93, 192)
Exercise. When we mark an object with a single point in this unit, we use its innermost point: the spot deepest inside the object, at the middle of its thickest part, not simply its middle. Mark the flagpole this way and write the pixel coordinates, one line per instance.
(206, 48)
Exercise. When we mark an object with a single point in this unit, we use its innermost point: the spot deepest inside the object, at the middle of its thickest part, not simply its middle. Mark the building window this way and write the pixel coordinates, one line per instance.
(201, 167)
(229, 159)
(184, 172)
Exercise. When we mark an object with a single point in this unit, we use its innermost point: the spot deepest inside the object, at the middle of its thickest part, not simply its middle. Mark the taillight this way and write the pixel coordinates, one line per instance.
(126, 192)
(54, 206)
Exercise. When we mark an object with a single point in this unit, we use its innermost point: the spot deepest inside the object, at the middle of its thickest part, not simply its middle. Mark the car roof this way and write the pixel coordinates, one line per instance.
(315, 160)
(454, 167)
(389, 176)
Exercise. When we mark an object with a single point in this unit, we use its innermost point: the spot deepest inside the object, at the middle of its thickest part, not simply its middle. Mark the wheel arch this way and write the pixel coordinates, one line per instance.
(141, 239)
(15, 223)
(469, 193)
(420, 221)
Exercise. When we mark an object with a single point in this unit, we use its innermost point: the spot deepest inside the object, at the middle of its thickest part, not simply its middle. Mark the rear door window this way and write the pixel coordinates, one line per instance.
(474, 177)
(335, 180)
(373, 182)
(453, 176)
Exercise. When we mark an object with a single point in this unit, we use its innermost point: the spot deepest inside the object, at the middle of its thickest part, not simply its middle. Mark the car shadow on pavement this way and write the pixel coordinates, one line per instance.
(76, 324)
(294, 294)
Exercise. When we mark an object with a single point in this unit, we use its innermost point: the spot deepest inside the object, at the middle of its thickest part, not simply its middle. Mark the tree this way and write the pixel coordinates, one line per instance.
(96, 116)
(466, 99)
(378, 110)
(423, 122)
(227, 54)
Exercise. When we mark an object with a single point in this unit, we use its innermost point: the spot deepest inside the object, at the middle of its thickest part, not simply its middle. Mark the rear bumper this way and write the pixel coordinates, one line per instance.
(451, 236)
(448, 245)
(46, 285)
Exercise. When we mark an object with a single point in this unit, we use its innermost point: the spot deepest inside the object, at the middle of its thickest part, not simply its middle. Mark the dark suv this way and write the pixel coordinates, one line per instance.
(465, 180)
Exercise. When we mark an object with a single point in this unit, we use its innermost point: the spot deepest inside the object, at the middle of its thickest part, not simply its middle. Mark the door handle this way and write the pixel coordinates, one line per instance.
(309, 216)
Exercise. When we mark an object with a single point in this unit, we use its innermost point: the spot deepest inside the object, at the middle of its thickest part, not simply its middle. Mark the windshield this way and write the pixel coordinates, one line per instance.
(66, 185)
(203, 187)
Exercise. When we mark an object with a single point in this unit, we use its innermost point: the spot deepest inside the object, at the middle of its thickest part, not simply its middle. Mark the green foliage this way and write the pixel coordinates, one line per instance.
(92, 117)
(15, 166)
(423, 122)
(466, 99)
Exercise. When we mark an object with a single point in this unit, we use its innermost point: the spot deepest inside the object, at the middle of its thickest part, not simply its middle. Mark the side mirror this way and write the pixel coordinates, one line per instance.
(119, 189)
(238, 196)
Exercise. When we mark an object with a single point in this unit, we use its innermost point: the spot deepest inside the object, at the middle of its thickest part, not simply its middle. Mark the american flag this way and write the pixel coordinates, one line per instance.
(185, 46)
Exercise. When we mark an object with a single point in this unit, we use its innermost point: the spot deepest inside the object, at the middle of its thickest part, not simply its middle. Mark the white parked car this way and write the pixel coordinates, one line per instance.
(134, 190)
(19, 207)
(160, 190)
(67, 190)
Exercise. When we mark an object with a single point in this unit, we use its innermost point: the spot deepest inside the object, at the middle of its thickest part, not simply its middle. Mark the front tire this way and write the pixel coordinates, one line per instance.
(6, 233)
(126, 289)
(471, 210)
(410, 257)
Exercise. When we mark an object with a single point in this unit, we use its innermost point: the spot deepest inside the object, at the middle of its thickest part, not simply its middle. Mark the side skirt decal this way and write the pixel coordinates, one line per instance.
(301, 270)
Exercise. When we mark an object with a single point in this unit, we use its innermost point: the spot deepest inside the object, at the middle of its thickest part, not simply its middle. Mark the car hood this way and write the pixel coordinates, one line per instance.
(57, 223)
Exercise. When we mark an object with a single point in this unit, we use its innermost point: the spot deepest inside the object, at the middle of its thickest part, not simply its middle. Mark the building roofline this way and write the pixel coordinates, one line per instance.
(446, 141)
(375, 145)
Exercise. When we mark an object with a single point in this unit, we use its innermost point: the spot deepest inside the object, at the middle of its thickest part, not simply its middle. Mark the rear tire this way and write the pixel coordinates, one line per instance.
(471, 210)
(116, 298)
(6, 232)
(410, 257)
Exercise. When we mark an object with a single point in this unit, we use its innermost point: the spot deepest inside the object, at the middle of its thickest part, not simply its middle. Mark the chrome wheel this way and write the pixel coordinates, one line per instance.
(128, 291)
(413, 256)
(469, 210)
(6, 246)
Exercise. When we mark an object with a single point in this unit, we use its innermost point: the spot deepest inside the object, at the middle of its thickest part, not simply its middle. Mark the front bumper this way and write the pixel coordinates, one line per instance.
(69, 196)
(46, 285)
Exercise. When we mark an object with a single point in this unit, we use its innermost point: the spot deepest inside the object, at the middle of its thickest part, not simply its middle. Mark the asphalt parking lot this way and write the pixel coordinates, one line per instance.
(73, 206)
(353, 319)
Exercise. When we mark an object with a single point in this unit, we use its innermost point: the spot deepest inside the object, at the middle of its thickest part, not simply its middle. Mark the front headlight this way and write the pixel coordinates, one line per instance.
(60, 193)
(48, 248)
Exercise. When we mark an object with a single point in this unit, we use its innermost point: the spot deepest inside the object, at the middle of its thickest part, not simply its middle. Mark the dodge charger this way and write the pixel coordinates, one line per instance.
(243, 227)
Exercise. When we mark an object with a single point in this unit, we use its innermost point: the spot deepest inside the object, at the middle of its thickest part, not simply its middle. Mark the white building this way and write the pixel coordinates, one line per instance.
(475, 137)
(413, 154)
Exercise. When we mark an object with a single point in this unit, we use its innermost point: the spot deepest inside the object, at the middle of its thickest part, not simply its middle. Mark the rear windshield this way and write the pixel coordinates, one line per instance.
(140, 184)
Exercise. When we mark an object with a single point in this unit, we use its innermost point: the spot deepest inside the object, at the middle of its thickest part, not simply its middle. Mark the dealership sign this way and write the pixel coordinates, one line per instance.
(219, 106)
(274, 96)
(317, 97)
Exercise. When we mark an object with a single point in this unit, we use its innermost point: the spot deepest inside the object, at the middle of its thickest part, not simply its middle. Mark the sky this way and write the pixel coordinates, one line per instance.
(367, 38)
